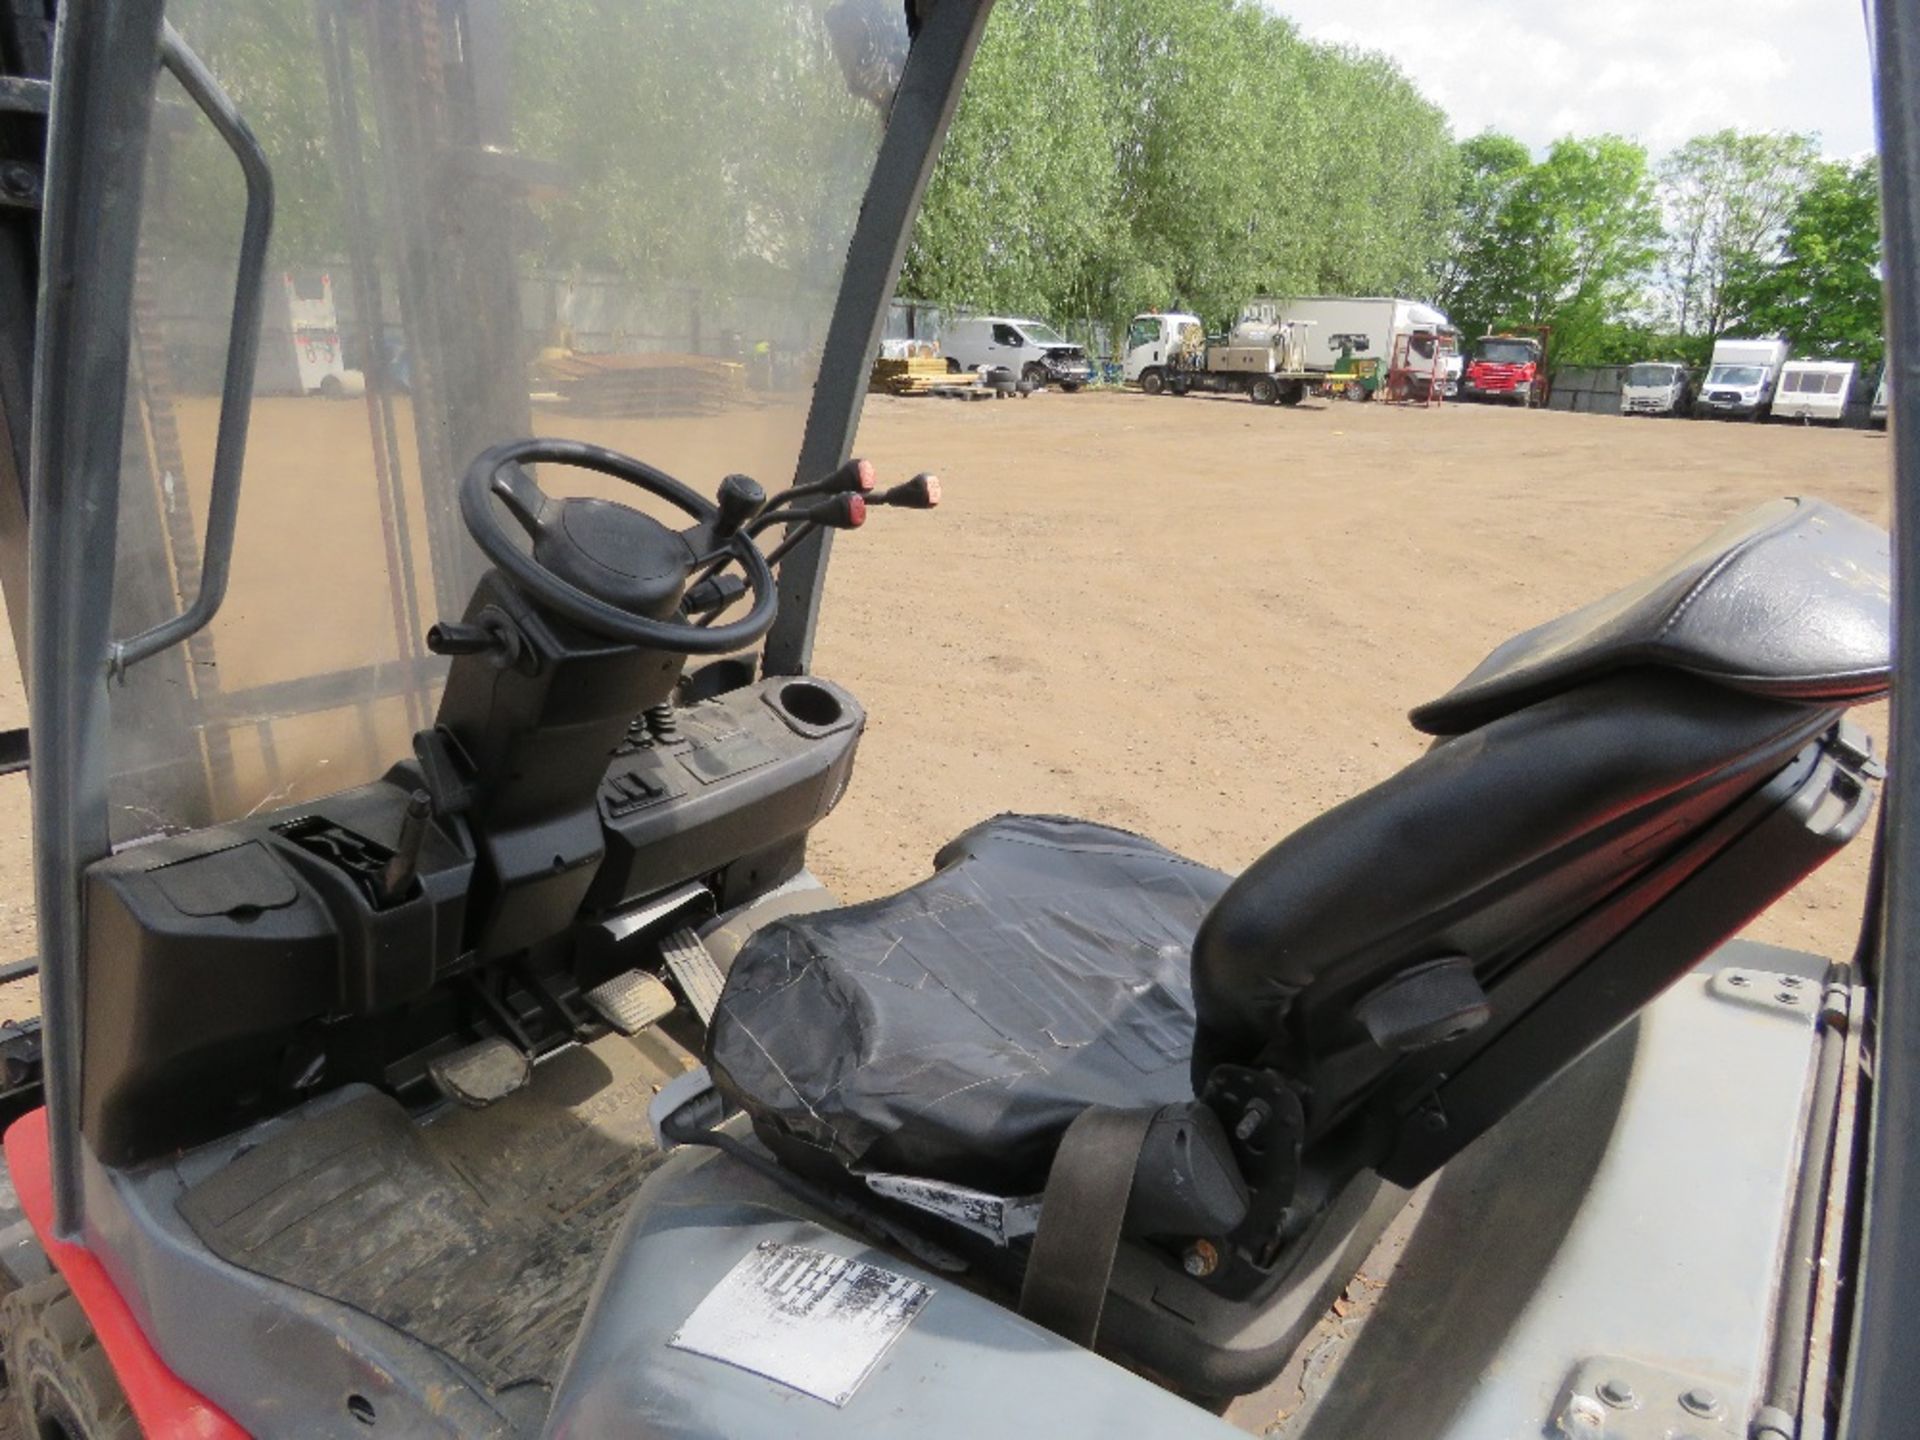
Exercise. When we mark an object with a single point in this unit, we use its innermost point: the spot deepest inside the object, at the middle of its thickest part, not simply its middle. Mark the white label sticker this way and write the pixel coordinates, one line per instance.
(810, 1320)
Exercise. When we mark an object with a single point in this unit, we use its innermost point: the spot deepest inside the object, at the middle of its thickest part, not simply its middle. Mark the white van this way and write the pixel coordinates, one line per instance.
(1813, 390)
(1032, 350)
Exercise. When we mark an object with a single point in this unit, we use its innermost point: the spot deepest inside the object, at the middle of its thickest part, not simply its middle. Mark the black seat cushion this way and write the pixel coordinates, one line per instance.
(1793, 599)
(955, 1029)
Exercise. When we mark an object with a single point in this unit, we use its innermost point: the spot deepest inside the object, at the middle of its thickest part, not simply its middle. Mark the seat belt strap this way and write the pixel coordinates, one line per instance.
(1081, 1212)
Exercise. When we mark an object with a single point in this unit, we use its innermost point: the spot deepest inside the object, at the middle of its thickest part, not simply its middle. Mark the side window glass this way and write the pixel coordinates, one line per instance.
(1005, 335)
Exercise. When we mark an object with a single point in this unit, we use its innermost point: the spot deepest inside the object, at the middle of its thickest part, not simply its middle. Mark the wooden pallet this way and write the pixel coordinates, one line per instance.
(644, 385)
(919, 375)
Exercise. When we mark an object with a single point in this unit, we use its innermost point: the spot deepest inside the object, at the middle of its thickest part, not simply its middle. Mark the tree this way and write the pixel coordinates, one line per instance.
(1488, 167)
(1570, 245)
(1823, 292)
(1110, 156)
(1726, 196)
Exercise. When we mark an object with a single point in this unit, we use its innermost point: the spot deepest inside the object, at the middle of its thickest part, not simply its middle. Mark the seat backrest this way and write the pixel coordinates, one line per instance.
(1592, 768)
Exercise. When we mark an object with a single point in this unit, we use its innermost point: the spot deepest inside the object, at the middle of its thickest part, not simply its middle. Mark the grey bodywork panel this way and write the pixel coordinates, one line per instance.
(1626, 1220)
(965, 1366)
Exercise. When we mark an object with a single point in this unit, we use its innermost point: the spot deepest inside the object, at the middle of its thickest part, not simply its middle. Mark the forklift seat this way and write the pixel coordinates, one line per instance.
(1590, 767)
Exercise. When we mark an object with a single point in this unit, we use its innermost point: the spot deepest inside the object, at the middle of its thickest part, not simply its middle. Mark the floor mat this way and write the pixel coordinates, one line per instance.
(479, 1233)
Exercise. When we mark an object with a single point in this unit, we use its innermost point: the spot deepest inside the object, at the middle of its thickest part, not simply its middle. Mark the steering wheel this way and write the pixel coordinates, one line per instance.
(607, 567)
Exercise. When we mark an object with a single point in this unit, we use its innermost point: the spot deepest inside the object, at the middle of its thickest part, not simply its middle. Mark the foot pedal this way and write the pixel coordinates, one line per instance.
(632, 1001)
(693, 968)
(482, 1073)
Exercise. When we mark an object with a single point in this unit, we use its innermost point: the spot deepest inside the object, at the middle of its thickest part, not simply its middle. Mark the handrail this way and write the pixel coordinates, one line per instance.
(243, 348)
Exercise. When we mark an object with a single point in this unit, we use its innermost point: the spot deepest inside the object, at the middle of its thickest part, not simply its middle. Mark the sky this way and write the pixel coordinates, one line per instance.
(1657, 70)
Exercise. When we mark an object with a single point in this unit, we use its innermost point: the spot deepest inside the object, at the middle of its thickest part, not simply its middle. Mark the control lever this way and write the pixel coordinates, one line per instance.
(856, 477)
(397, 878)
(922, 492)
(740, 499)
(839, 512)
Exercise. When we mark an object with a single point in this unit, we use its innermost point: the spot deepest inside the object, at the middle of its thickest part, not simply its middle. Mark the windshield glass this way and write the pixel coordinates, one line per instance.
(1143, 332)
(1042, 334)
(1505, 352)
(1738, 376)
(1651, 374)
(621, 222)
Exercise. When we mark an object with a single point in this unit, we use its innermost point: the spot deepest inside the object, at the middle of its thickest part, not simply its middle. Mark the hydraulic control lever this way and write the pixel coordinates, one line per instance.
(854, 477)
(838, 501)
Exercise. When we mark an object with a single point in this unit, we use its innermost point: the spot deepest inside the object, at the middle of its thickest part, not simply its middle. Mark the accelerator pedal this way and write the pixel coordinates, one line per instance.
(631, 1001)
(482, 1073)
(693, 969)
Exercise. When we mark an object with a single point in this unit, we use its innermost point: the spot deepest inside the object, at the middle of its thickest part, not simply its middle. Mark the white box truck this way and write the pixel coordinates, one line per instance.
(1363, 326)
(1813, 390)
(1741, 379)
(1655, 387)
(1877, 416)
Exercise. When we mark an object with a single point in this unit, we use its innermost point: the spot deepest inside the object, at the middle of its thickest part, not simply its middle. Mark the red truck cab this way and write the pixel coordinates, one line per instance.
(1503, 367)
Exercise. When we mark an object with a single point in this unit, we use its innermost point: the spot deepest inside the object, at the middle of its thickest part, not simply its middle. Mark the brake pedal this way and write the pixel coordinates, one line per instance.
(482, 1073)
(694, 970)
(632, 1001)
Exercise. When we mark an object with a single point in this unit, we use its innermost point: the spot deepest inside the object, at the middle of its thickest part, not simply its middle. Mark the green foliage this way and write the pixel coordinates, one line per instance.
(1568, 242)
(1112, 156)
(1726, 197)
(1823, 292)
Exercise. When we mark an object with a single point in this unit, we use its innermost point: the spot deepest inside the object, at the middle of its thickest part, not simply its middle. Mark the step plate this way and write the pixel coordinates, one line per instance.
(632, 1001)
(694, 970)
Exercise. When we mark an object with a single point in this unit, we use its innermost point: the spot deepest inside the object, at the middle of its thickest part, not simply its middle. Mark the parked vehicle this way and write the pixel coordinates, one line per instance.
(1656, 388)
(1151, 339)
(1741, 379)
(1504, 367)
(1813, 390)
(1260, 359)
(1357, 326)
(1877, 415)
(1032, 349)
(313, 326)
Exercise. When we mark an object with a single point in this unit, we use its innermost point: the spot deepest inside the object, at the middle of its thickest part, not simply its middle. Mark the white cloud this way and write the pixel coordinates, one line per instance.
(1658, 70)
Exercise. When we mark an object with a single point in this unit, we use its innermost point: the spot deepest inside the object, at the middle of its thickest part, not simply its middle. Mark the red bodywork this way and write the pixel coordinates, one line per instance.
(166, 1407)
(1496, 377)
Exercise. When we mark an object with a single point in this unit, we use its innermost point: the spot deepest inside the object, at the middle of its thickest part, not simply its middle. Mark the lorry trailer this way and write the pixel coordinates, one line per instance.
(1355, 326)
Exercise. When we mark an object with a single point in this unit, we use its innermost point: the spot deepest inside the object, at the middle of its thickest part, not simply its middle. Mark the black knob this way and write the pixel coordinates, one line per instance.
(740, 499)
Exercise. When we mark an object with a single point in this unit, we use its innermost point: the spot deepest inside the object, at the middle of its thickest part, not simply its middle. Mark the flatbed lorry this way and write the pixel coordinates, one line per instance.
(1171, 353)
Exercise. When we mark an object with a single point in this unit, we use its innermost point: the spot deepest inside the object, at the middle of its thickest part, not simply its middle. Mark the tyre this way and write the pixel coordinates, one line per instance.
(1262, 391)
(1072, 387)
(331, 388)
(1357, 393)
(61, 1384)
(1153, 380)
(953, 366)
(1037, 375)
(1179, 385)
(1292, 393)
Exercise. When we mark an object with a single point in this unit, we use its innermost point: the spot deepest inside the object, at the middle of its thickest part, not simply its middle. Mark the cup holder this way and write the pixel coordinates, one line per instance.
(812, 706)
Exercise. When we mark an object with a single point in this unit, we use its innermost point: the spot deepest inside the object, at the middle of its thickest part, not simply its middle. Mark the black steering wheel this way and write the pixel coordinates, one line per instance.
(617, 550)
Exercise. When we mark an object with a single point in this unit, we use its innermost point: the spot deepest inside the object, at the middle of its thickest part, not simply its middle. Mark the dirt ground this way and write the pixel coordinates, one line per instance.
(1206, 621)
